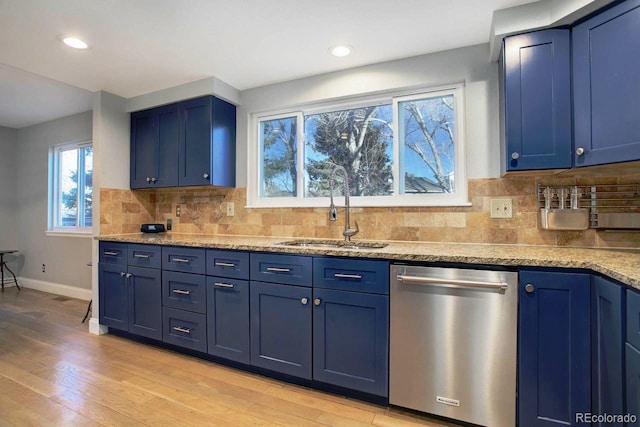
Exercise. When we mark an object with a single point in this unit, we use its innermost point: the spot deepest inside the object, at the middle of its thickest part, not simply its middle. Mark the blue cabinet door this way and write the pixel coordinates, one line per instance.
(154, 147)
(554, 348)
(606, 348)
(606, 86)
(281, 328)
(228, 319)
(145, 302)
(113, 295)
(207, 142)
(536, 92)
(351, 340)
(632, 375)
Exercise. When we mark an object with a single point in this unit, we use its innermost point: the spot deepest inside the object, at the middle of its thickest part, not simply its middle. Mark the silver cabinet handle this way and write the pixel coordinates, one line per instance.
(129, 275)
(579, 151)
(205, 175)
(304, 301)
(143, 256)
(529, 288)
(278, 270)
(347, 276)
(181, 329)
(180, 260)
(452, 282)
(223, 285)
(515, 155)
(110, 253)
(154, 180)
(148, 180)
(224, 264)
(316, 301)
(122, 274)
(181, 292)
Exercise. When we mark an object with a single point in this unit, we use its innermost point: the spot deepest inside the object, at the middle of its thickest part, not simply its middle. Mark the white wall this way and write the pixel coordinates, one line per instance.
(65, 257)
(470, 65)
(8, 225)
(111, 170)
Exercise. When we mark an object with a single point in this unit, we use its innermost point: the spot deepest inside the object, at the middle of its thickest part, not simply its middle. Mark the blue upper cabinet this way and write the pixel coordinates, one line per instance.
(606, 86)
(184, 144)
(554, 381)
(154, 151)
(535, 74)
(207, 142)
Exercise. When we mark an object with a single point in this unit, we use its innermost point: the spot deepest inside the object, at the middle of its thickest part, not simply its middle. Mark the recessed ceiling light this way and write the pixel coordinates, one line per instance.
(74, 42)
(341, 50)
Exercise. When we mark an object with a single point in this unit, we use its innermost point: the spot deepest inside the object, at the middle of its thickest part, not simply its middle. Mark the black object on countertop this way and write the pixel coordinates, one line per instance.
(152, 228)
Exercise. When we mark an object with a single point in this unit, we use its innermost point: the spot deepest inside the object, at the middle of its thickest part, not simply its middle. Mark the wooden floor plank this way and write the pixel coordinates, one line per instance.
(53, 372)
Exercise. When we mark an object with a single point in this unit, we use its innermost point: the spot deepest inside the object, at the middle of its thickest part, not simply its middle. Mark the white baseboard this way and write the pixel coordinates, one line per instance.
(96, 328)
(55, 288)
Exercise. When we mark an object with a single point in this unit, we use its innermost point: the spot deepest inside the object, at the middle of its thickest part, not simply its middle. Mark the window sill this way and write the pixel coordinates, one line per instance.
(70, 233)
(383, 202)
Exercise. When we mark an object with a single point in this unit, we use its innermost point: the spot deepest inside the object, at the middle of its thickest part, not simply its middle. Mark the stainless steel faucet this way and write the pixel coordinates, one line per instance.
(333, 213)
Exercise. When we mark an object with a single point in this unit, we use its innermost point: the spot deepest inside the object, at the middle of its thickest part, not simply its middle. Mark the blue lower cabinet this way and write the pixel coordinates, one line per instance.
(554, 373)
(607, 396)
(281, 328)
(184, 291)
(632, 367)
(184, 329)
(145, 302)
(351, 340)
(228, 319)
(113, 296)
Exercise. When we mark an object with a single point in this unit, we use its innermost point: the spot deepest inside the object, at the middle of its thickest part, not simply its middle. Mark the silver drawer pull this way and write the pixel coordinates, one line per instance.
(181, 292)
(278, 270)
(347, 276)
(223, 285)
(224, 264)
(181, 260)
(143, 256)
(111, 253)
(183, 330)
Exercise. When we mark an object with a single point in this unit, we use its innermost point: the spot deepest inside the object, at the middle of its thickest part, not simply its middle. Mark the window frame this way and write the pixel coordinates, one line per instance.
(254, 174)
(53, 220)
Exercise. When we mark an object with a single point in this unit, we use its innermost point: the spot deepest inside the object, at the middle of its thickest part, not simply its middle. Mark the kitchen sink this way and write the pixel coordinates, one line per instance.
(333, 244)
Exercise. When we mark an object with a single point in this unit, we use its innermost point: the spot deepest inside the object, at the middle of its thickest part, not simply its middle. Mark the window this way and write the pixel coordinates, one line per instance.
(71, 187)
(404, 150)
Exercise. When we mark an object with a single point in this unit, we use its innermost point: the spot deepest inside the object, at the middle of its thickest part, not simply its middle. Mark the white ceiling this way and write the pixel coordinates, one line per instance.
(141, 46)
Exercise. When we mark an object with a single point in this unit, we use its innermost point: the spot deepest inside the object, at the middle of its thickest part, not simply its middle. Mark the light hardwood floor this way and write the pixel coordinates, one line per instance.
(53, 372)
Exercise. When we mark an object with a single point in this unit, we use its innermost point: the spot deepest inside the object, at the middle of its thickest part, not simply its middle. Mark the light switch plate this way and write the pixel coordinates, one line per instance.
(230, 209)
(501, 208)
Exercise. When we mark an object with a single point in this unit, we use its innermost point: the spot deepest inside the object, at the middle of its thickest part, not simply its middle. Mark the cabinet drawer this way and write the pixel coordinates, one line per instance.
(187, 260)
(113, 253)
(351, 275)
(287, 269)
(231, 264)
(184, 329)
(144, 256)
(633, 318)
(184, 291)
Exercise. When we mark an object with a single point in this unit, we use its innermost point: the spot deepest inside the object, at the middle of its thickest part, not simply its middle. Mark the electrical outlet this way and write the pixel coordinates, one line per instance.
(501, 208)
(169, 224)
(230, 209)
(44, 268)
(178, 211)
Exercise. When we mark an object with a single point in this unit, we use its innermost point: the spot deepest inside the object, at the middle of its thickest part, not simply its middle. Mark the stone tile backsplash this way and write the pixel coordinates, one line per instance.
(203, 211)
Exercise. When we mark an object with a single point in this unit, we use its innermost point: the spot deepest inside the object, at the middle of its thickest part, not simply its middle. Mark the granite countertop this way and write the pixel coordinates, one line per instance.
(621, 265)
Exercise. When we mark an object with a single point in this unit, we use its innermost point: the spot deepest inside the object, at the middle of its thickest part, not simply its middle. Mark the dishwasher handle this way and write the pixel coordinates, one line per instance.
(452, 282)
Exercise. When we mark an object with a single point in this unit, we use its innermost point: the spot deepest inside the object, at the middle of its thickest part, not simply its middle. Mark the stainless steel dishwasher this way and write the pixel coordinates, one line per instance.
(453, 343)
